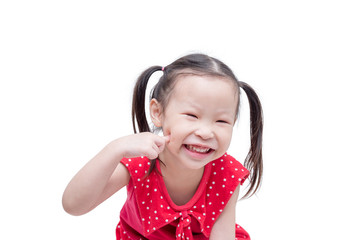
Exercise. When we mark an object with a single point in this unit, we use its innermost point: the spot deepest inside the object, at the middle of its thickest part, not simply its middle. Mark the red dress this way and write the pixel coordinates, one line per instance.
(149, 212)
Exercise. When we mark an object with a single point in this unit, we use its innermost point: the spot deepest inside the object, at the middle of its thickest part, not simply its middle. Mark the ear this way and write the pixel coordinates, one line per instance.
(156, 112)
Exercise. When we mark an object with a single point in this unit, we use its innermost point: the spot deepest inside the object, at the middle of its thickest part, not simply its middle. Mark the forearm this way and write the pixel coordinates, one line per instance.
(224, 227)
(88, 184)
(91, 185)
(224, 233)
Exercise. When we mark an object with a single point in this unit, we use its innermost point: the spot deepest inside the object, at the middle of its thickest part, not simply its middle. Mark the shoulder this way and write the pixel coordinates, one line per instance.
(137, 167)
(229, 168)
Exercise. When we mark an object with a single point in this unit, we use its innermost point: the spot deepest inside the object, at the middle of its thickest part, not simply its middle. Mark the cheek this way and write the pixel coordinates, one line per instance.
(226, 138)
(177, 135)
(175, 129)
(166, 131)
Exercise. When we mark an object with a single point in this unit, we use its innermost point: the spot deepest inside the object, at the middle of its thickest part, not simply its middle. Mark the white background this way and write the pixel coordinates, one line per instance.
(67, 69)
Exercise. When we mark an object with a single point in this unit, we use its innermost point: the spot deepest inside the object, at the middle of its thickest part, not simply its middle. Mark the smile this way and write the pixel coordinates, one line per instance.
(198, 149)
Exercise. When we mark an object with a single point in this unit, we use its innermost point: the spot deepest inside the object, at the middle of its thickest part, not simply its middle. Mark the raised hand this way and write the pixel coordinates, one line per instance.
(142, 144)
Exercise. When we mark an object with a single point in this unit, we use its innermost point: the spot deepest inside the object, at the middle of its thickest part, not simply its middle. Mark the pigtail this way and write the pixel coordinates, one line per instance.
(138, 104)
(253, 161)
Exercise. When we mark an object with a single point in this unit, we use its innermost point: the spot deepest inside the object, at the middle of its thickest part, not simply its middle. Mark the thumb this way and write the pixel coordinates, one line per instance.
(167, 138)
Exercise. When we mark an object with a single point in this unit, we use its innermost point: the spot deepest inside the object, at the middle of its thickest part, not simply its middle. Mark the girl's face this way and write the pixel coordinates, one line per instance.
(199, 118)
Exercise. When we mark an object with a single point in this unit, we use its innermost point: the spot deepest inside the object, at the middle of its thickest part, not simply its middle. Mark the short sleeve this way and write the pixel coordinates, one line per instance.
(137, 167)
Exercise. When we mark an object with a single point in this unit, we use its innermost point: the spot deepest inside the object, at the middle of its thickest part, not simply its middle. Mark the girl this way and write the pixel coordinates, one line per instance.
(181, 184)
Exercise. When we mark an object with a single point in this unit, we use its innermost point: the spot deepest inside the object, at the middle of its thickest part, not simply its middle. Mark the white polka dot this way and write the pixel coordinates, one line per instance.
(214, 173)
(140, 165)
(224, 179)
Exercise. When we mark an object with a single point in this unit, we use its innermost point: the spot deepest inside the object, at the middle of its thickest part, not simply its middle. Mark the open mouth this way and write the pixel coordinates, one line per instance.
(198, 149)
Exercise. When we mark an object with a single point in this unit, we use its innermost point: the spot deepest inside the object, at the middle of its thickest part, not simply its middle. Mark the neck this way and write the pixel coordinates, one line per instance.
(180, 181)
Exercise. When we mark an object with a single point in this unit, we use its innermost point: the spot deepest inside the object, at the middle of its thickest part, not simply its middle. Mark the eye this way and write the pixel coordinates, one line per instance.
(222, 121)
(191, 115)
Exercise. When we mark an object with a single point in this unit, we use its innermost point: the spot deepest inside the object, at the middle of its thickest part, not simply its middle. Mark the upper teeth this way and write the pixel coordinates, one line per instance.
(198, 149)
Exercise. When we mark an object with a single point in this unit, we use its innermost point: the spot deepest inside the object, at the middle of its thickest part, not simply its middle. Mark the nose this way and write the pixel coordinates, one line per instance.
(204, 131)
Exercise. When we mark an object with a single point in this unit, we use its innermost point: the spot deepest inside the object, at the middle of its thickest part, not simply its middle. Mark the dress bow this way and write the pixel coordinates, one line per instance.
(183, 230)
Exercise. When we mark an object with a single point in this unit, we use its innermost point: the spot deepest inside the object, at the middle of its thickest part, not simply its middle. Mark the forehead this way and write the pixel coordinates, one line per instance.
(192, 82)
(205, 89)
